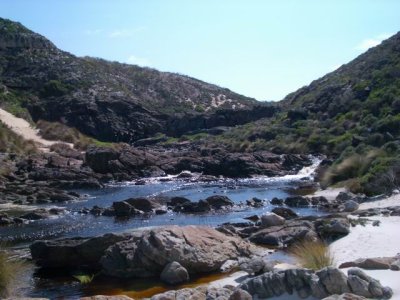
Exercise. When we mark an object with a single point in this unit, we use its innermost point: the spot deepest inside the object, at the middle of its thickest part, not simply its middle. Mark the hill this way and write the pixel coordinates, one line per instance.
(108, 100)
(352, 115)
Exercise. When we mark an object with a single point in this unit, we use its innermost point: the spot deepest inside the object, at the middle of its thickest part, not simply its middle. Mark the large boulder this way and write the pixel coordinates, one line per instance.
(198, 249)
(144, 204)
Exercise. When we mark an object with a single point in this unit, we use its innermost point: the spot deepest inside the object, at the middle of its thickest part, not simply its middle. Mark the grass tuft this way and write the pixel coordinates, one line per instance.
(311, 254)
(10, 272)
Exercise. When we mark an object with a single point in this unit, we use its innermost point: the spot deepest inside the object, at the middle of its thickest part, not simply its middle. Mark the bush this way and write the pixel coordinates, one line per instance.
(10, 272)
(312, 254)
(59, 132)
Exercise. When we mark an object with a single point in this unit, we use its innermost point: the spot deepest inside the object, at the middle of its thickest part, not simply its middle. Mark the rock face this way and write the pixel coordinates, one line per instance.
(174, 273)
(321, 284)
(198, 249)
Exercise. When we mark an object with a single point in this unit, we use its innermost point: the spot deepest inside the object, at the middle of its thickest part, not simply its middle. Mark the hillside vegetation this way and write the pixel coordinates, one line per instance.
(352, 115)
(106, 100)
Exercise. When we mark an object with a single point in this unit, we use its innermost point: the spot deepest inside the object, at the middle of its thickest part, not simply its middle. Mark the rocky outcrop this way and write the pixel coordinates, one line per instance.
(128, 162)
(320, 284)
(197, 249)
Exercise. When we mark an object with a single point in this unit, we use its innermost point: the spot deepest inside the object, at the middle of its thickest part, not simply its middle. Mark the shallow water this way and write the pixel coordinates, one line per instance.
(75, 224)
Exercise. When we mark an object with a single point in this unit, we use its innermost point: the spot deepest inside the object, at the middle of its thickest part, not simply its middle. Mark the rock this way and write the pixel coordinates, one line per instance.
(364, 285)
(334, 280)
(143, 204)
(395, 266)
(276, 201)
(285, 212)
(253, 265)
(332, 228)
(240, 294)
(38, 214)
(345, 196)
(229, 266)
(174, 273)
(271, 219)
(193, 207)
(350, 206)
(358, 286)
(198, 249)
(219, 201)
(345, 296)
(72, 253)
(255, 202)
(174, 201)
(296, 201)
(286, 234)
(375, 263)
(320, 284)
(101, 297)
(124, 209)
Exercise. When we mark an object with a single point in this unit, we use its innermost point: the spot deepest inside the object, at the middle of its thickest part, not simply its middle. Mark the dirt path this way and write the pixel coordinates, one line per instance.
(24, 129)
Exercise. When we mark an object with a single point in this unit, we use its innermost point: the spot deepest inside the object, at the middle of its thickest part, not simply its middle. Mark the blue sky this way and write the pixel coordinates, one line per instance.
(263, 49)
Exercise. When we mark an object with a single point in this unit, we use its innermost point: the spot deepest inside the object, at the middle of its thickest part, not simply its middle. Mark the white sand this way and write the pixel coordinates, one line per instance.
(390, 201)
(24, 129)
(372, 241)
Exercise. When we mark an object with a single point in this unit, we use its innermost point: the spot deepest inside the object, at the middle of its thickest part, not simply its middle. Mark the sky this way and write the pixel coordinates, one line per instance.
(258, 48)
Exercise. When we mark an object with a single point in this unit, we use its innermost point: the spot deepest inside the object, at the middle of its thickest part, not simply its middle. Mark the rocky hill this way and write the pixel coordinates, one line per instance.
(352, 115)
(108, 100)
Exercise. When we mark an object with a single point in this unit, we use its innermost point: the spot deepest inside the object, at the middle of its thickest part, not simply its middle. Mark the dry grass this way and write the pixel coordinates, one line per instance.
(10, 142)
(10, 272)
(56, 131)
(312, 254)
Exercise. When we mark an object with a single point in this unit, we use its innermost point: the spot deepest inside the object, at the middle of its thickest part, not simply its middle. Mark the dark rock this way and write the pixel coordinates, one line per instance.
(124, 209)
(376, 263)
(284, 212)
(36, 215)
(286, 234)
(296, 201)
(276, 201)
(143, 204)
(240, 294)
(332, 228)
(72, 253)
(271, 219)
(219, 201)
(174, 273)
(175, 201)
